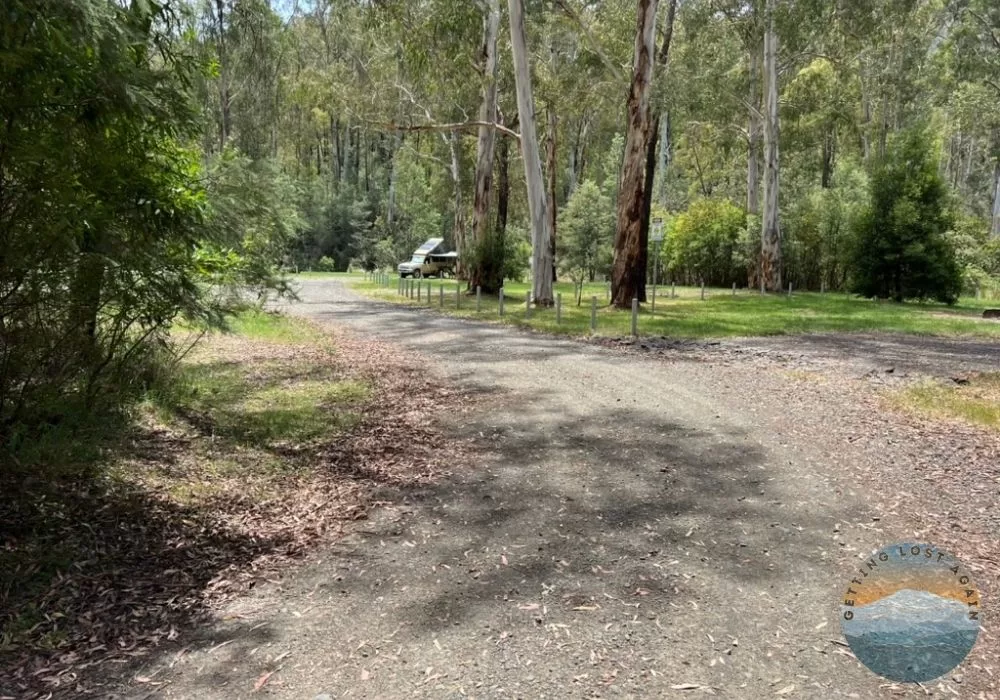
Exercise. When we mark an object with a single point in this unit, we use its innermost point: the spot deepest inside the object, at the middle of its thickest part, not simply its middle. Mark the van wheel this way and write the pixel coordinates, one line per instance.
(417, 274)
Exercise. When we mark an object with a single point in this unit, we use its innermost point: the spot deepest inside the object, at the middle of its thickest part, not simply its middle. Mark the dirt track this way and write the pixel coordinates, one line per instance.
(663, 527)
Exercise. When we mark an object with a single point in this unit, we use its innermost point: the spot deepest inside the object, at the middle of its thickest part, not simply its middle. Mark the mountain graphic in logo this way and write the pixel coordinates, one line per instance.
(911, 615)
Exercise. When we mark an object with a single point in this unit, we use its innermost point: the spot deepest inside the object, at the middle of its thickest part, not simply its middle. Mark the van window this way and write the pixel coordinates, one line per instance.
(419, 259)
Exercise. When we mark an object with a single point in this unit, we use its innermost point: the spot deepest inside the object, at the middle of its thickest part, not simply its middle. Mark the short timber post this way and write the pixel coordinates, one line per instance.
(558, 309)
(635, 317)
(479, 299)
(441, 296)
(593, 314)
(734, 289)
(501, 302)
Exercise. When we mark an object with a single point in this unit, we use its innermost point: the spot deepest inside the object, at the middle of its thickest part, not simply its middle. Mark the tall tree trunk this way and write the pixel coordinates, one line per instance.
(390, 205)
(541, 257)
(628, 272)
(458, 229)
(754, 129)
(551, 165)
(503, 190)
(770, 238)
(666, 156)
(225, 94)
(660, 130)
(995, 228)
(829, 146)
(487, 258)
(651, 150)
(576, 157)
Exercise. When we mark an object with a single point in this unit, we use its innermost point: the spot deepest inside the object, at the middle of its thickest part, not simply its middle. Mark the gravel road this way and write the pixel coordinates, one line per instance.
(671, 526)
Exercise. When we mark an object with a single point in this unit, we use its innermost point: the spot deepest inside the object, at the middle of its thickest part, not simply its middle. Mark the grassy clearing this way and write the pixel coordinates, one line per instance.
(721, 314)
(977, 402)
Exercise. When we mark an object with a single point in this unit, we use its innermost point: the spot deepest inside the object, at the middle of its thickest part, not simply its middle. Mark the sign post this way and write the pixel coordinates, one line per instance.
(657, 238)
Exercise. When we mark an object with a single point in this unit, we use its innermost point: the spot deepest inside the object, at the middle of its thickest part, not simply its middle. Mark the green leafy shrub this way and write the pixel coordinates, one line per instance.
(326, 264)
(708, 243)
(901, 250)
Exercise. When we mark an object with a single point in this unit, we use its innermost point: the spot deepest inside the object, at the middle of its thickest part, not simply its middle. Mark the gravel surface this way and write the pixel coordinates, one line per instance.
(675, 525)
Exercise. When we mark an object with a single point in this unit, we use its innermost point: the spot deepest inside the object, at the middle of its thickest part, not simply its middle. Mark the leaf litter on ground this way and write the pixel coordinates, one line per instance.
(162, 536)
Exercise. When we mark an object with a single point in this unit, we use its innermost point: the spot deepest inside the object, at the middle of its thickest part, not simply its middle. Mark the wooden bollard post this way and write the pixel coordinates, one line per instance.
(527, 305)
(734, 289)
(458, 295)
(635, 317)
(501, 302)
(822, 287)
(789, 290)
(673, 293)
(593, 314)
(762, 286)
(703, 290)
(420, 290)
(441, 295)
(558, 309)
(609, 291)
(479, 299)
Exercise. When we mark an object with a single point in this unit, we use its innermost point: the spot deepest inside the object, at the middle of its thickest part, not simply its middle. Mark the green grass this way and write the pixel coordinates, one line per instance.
(977, 402)
(274, 327)
(720, 315)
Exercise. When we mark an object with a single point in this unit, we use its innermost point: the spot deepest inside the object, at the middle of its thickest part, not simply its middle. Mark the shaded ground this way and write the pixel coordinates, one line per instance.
(256, 453)
(630, 527)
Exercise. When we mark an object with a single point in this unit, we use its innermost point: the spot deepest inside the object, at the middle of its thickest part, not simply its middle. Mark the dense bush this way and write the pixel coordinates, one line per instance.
(901, 250)
(708, 243)
(326, 264)
(819, 229)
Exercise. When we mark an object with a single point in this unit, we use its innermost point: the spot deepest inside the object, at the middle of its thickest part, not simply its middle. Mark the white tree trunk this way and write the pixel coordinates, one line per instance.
(770, 239)
(753, 136)
(664, 159)
(541, 255)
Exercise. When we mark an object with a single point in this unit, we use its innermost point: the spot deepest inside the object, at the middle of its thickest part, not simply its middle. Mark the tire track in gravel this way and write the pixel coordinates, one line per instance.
(632, 527)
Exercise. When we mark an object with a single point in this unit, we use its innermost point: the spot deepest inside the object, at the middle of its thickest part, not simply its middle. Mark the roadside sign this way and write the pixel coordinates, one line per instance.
(657, 233)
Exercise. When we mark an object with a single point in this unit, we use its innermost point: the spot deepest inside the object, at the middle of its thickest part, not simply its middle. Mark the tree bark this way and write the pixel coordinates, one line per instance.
(541, 260)
(753, 138)
(770, 238)
(666, 156)
(995, 228)
(551, 165)
(829, 153)
(458, 228)
(503, 190)
(628, 272)
(487, 265)
(661, 128)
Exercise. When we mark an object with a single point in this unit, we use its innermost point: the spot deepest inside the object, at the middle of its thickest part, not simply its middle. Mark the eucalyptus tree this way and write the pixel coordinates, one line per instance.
(628, 273)
(541, 233)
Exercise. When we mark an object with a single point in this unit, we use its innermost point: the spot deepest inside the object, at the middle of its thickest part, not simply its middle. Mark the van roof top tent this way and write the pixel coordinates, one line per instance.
(429, 246)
